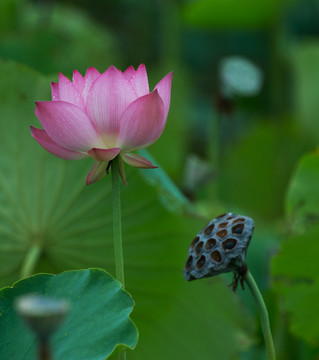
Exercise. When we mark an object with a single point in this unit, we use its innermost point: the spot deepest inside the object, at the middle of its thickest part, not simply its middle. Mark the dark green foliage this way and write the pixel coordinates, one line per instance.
(98, 321)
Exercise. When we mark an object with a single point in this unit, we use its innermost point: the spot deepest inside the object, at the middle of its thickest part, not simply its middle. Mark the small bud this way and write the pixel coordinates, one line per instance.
(42, 313)
(239, 76)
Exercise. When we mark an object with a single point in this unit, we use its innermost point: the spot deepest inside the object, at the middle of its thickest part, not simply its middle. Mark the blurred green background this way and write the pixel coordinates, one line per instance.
(240, 138)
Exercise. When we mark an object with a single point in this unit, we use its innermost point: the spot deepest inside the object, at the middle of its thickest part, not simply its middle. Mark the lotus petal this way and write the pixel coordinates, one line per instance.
(67, 125)
(98, 170)
(137, 161)
(55, 91)
(104, 154)
(109, 95)
(164, 90)
(52, 147)
(69, 93)
(129, 73)
(90, 76)
(122, 170)
(140, 81)
(78, 81)
(141, 122)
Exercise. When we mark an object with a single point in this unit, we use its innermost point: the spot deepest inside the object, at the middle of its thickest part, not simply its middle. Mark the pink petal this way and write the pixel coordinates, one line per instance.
(138, 161)
(98, 170)
(122, 170)
(129, 73)
(141, 122)
(91, 75)
(55, 91)
(67, 125)
(110, 94)
(51, 146)
(103, 154)
(140, 81)
(164, 90)
(78, 81)
(68, 92)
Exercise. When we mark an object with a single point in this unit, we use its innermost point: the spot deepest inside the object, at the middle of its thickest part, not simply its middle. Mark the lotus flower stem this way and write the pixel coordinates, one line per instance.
(117, 229)
(265, 325)
(117, 226)
(30, 261)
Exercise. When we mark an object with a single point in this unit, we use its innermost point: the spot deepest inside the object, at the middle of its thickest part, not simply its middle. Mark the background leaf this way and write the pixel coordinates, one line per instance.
(295, 267)
(255, 172)
(66, 37)
(304, 58)
(170, 195)
(302, 197)
(231, 14)
(297, 282)
(98, 321)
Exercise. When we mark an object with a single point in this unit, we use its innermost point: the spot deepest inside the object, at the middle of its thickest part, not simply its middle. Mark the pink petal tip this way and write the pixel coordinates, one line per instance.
(104, 154)
(138, 161)
(98, 170)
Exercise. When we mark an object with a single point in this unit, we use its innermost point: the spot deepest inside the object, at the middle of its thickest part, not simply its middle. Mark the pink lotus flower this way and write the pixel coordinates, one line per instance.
(103, 116)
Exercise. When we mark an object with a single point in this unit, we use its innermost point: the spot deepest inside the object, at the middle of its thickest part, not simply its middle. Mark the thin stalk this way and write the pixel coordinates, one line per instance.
(117, 225)
(215, 155)
(117, 229)
(265, 325)
(30, 261)
(44, 350)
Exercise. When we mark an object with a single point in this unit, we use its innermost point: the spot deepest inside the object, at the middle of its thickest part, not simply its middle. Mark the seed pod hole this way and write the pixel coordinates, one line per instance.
(189, 263)
(222, 233)
(209, 229)
(220, 216)
(238, 220)
(216, 256)
(211, 243)
(222, 225)
(238, 229)
(229, 244)
(230, 217)
(201, 262)
(198, 248)
(194, 242)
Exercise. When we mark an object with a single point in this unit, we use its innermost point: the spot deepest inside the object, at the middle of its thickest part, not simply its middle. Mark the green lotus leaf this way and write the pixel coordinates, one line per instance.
(97, 323)
(204, 318)
(295, 270)
(302, 202)
(170, 195)
(295, 267)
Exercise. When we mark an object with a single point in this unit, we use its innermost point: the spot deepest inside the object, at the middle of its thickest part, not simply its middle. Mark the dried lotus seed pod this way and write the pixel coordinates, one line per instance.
(220, 247)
